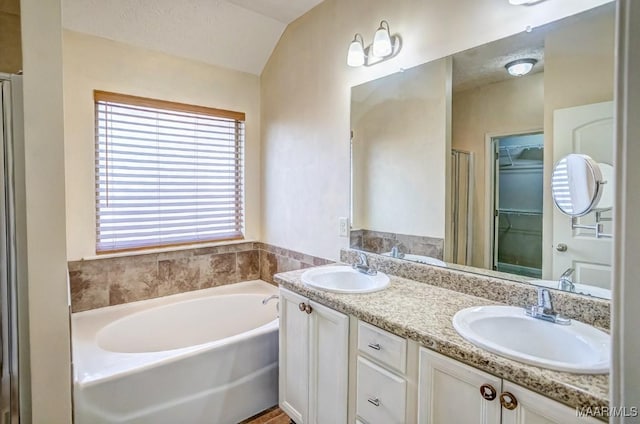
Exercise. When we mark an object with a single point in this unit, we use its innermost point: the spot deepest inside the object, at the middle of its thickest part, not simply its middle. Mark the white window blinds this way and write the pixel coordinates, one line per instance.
(166, 173)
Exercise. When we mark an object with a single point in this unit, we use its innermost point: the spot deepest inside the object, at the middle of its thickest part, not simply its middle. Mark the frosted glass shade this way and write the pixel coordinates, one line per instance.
(521, 67)
(382, 43)
(355, 56)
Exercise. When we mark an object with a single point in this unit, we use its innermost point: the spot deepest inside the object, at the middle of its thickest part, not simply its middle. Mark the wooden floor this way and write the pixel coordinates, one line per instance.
(270, 416)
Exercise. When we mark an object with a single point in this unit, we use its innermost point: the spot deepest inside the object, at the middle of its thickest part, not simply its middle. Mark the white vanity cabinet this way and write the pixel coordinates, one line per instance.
(533, 408)
(383, 384)
(313, 375)
(452, 392)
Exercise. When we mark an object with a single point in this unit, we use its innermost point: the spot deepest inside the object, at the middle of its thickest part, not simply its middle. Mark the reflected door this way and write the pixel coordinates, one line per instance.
(588, 130)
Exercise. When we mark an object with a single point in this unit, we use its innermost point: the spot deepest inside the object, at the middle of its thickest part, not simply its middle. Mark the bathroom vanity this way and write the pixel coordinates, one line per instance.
(394, 357)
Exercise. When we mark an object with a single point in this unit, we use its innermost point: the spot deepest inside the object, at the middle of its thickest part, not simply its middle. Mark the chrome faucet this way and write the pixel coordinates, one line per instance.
(270, 298)
(396, 253)
(566, 283)
(267, 299)
(544, 309)
(362, 265)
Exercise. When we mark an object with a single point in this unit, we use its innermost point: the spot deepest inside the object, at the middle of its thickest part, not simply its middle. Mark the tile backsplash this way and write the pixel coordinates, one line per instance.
(277, 259)
(584, 308)
(381, 241)
(111, 281)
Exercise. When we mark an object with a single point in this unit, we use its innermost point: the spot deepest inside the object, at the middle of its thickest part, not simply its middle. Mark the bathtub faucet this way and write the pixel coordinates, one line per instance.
(273, 296)
(267, 299)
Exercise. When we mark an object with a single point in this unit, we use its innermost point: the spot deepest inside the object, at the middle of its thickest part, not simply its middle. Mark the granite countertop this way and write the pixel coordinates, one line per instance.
(422, 312)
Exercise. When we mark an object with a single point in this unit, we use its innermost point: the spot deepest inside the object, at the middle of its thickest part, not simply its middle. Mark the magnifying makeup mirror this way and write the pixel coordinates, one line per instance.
(576, 184)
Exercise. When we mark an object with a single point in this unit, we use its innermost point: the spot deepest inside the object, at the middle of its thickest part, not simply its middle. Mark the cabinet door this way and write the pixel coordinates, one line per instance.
(450, 392)
(294, 357)
(532, 408)
(328, 365)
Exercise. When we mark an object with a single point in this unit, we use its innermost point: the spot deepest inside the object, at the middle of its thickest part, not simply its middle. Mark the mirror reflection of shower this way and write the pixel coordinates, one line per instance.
(461, 206)
(518, 194)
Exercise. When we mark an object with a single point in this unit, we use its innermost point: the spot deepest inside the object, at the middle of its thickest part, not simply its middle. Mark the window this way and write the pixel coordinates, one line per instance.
(166, 173)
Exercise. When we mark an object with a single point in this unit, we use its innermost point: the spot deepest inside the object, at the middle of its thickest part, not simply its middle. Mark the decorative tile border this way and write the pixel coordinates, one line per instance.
(381, 241)
(97, 283)
(593, 311)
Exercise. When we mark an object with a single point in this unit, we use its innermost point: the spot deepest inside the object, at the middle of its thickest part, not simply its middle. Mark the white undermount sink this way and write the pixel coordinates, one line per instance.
(506, 330)
(344, 279)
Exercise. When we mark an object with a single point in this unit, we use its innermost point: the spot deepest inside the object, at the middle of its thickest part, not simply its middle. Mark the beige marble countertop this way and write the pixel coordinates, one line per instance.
(423, 313)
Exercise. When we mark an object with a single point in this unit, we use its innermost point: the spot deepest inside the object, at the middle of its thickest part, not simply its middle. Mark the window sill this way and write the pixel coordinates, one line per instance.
(166, 249)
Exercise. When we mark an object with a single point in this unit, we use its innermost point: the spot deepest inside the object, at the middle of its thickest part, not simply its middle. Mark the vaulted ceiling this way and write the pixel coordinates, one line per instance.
(236, 34)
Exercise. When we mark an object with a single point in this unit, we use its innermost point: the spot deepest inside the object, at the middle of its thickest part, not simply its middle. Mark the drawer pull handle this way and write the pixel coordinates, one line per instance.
(508, 401)
(374, 402)
(302, 306)
(308, 309)
(488, 392)
(375, 346)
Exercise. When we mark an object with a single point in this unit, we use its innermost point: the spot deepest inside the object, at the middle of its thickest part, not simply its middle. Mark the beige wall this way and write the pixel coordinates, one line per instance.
(96, 63)
(306, 96)
(400, 146)
(10, 37)
(509, 107)
(45, 193)
(579, 70)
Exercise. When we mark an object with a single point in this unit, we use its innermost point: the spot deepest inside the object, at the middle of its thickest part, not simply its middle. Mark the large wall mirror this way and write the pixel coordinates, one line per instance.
(453, 160)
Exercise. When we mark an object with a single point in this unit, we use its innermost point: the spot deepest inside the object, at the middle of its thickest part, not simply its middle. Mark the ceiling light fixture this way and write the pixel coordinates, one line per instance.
(384, 47)
(520, 67)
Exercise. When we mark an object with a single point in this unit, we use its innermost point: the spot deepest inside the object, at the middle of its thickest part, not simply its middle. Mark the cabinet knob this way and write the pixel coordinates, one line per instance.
(375, 346)
(374, 402)
(302, 306)
(561, 247)
(508, 401)
(308, 309)
(488, 392)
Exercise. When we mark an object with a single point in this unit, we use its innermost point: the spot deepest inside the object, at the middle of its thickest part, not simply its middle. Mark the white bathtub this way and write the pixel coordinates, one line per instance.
(203, 357)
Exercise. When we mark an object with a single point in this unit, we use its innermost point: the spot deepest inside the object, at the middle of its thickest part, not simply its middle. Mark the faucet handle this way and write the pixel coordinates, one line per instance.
(362, 259)
(544, 309)
(568, 272)
(544, 301)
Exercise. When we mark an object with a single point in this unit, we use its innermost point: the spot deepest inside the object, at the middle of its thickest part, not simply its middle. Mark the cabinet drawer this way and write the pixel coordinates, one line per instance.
(389, 349)
(381, 395)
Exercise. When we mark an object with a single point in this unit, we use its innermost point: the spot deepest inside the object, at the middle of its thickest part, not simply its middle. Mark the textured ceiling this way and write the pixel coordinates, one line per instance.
(285, 11)
(485, 64)
(236, 34)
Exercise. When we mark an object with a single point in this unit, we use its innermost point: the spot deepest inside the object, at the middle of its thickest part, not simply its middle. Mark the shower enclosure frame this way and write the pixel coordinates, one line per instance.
(13, 319)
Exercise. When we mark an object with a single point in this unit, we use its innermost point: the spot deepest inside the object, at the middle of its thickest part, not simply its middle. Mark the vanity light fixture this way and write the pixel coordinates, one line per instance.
(382, 41)
(384, 47)
(356, 55)
(520, 67)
